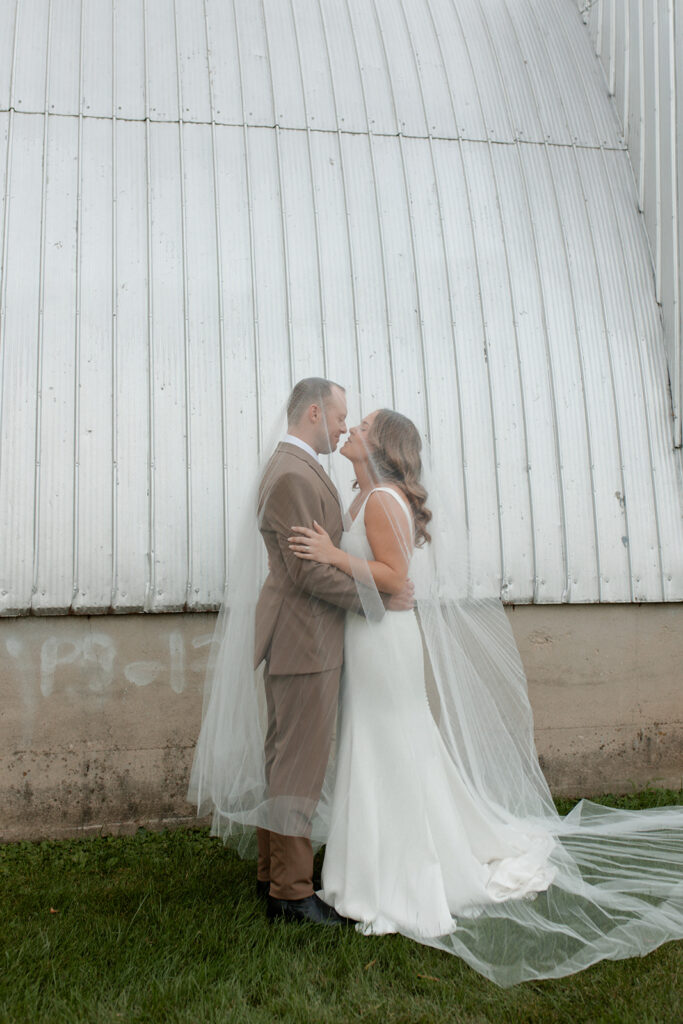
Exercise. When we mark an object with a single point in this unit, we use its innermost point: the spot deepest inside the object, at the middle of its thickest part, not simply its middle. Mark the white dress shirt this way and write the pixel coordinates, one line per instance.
(290, 439)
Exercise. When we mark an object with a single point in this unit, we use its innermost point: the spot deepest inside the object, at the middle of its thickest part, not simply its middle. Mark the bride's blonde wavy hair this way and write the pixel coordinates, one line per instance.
(395, 457)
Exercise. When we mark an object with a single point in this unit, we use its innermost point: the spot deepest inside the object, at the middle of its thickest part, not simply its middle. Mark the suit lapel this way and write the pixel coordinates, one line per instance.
(299, 453)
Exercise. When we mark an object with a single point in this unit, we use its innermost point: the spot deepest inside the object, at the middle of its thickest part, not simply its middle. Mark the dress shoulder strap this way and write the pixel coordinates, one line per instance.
(402, 502)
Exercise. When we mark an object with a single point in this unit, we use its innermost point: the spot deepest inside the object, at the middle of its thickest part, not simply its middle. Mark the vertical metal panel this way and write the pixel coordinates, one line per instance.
(516, 92)
(574, 442)
(470, 358)
(377, 95)
(427, 59)
(370, 381)
(55, 464)
(437, 306)
(332, 257)
(677, 318)
(433, 280)
(593, 120)
(347, 89)
(313, 65)
(93, 506)
(535, 314)
(30, 60)
(482, 483)
(530, 39)
(369, 274)
(490, 88)
(220, 522)
(192, 61)
(667, 204)
(224, 61)
(205, 437)
(460, 76)
(162, 67)
(652, 362)
(591, 326)
(400, 69)
(168, 381)
(402, 298)
(240, 353)
(287, 87)
(641, 538)
(269, 263)
(20, 296)
(129, 68)
(66, 54)
(503, 371)
(255, 86)
(97, 58)
(131, 568)
(304, 298)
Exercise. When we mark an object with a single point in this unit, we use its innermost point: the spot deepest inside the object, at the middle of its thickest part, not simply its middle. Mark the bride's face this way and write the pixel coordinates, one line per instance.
(357, 446)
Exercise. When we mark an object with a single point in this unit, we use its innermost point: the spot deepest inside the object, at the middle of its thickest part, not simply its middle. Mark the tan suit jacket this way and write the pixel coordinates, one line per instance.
(301, 608)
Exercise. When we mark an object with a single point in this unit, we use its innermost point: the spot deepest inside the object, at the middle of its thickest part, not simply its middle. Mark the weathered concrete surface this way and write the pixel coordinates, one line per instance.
(606, 686)
(98, 716)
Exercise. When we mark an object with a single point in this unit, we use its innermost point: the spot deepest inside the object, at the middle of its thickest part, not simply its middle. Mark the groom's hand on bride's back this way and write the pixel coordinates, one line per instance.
(404, 601)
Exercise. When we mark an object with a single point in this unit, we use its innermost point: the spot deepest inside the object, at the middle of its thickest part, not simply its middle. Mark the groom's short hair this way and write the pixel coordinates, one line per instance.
(307, 392)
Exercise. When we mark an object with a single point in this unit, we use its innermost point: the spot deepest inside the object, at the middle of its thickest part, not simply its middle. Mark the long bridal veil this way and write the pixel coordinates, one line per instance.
(617, 876)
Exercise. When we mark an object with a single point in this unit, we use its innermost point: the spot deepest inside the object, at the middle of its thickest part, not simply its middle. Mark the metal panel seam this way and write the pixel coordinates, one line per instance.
(5, 227)
(677, 394)
(114, 324)
(151, 439)
(41, 305)
(186, 326)
(75, 567)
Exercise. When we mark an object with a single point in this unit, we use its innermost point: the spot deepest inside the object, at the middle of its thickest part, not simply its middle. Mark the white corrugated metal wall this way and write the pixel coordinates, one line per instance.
(640, 43)
(430, 201)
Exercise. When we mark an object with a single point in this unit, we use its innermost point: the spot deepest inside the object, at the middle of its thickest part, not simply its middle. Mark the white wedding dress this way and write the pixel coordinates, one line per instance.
(410, 847)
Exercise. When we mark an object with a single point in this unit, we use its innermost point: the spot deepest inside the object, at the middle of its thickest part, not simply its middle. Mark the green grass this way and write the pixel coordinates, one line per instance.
(166, 927)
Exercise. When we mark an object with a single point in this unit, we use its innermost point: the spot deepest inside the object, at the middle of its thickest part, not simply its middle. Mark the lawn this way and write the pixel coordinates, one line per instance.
(167, 927)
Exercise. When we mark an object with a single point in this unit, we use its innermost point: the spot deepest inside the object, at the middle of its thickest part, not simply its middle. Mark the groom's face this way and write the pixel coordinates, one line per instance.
(333, 421)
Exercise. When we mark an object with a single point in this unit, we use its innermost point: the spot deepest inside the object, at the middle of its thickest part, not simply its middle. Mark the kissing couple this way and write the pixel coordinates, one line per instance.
(390, 721)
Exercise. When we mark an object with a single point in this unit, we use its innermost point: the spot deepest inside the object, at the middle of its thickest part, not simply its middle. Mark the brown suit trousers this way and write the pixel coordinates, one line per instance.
(301, 716)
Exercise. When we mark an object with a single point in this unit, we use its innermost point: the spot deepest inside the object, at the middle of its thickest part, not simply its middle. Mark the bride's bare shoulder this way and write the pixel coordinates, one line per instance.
(382, 511)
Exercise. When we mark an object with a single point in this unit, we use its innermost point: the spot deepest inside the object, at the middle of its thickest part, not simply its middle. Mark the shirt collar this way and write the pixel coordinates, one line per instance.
(290, 439)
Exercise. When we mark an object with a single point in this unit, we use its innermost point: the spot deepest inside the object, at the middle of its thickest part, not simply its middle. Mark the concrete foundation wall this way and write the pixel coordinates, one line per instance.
(99, 716)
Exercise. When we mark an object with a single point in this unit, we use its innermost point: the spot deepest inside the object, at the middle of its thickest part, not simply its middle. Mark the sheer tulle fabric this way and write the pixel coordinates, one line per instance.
(525, 893)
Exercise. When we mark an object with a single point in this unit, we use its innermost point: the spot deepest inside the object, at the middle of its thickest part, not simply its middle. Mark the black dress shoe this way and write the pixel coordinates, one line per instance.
(311, 908)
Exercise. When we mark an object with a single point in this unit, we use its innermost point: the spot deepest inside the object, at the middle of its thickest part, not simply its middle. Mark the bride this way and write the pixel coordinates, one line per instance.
(437, 819)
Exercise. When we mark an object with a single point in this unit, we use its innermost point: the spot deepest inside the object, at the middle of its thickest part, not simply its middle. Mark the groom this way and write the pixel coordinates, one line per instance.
(300, 635)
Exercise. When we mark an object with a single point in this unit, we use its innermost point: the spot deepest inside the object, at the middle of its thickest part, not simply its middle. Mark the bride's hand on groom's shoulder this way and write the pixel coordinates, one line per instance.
(312, 545)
